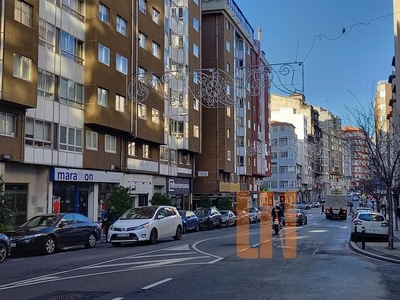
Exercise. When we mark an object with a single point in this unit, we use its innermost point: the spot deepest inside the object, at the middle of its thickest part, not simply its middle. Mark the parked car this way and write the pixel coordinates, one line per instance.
(301, 205)
(5, 247)
(51, 232)
(189, 220)
(315, 204)
(254, 215)
(209, 217)
(146, 223)
(228, 218)
(241, 217)
(374, 223)
(296, 216)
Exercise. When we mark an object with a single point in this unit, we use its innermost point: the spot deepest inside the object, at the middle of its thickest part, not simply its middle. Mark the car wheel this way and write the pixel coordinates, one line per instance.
(220, 224)
(197, 227)
(305, 223)
(116, 244)
(227, 224)
(184, 228)
(3, 252)
(178, 234)
(210, 224)
(153, 236)
(92, 241)
(50, 245)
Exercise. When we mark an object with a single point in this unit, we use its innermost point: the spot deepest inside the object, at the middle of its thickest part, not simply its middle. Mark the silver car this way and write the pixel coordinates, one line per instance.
(5, 247)
(228, 218)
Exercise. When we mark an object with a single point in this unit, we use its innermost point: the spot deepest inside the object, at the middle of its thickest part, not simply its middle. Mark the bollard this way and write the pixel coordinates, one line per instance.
(363, 238)
(355, 234)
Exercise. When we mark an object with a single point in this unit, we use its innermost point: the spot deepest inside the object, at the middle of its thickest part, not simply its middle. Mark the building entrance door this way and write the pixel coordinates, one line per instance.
(19, 203)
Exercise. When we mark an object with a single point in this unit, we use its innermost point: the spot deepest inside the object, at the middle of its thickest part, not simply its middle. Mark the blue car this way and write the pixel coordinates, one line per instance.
(189, 220)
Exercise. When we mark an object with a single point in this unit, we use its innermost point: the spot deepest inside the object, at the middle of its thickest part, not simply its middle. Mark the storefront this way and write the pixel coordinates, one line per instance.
(81, 191)
(180, 190)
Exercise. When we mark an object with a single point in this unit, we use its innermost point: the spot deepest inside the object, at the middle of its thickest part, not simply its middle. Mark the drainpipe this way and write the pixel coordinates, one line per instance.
(3, 8)
(134, 60)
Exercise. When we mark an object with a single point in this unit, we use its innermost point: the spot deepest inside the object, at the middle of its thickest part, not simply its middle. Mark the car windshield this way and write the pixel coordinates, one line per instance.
(224, 213)
(39, 221)
(146, 212)
(202, 212)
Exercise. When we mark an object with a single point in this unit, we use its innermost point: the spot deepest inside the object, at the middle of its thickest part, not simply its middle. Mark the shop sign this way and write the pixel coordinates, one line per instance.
(178, 186)
(79, 175)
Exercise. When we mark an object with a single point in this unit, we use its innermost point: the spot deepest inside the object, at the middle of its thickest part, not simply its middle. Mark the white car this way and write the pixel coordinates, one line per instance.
(374, 223)
(254, 215)
(146, 223)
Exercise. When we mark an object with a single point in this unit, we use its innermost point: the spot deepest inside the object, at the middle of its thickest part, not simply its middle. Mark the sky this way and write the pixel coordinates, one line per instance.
(338, 68)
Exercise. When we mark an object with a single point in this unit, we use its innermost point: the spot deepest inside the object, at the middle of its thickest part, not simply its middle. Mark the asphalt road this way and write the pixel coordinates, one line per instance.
(306, 262)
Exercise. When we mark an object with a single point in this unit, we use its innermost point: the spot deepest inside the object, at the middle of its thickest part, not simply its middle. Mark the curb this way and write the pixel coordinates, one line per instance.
(356, 249)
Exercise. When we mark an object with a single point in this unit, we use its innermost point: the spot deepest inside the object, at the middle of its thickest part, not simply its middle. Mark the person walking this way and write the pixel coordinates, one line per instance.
(322, 208)
(398, 212)
(109, 216)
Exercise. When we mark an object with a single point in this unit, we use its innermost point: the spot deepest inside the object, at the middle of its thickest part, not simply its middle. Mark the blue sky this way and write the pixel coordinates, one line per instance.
(353, 62)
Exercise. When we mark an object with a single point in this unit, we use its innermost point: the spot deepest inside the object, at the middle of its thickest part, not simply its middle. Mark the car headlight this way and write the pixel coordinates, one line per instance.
(29, 236)
(145, 225)
(112, 228)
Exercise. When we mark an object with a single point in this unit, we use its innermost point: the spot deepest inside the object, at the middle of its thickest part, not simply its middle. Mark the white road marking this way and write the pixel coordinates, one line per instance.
(255, 245)
(178, 248)
(156, 283)
(118, 298)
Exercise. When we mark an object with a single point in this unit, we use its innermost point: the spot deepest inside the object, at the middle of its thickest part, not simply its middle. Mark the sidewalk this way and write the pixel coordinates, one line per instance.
(379, 250)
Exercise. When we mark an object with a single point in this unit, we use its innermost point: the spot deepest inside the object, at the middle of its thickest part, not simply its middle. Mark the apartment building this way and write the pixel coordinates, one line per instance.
(313, 179)
(382, 109)
(85, 104)
(234, 132)
(285, 168)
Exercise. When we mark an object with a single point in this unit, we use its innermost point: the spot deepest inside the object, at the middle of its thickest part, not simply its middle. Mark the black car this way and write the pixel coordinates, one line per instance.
(209, 217)
(5, 247)
(54, 231)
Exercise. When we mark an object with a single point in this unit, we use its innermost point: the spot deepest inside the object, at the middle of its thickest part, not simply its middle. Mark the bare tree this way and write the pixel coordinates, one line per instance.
(374, 148)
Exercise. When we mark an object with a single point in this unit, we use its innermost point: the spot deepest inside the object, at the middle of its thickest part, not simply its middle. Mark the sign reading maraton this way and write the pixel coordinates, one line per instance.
(179, 185)
(80, 175)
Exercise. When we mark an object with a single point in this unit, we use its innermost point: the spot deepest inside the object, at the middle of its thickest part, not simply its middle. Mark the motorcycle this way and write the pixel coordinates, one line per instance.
(276, 226)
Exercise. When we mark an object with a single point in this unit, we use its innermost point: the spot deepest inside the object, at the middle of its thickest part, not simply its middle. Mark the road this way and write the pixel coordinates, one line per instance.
(307, 262)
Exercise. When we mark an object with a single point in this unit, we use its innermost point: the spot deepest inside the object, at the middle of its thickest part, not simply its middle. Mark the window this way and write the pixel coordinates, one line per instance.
(155, 116)
(228, 155)
(142, 111)
(122, 64)
(22, 67)
(195, 50)
(104, 55)
(155, 49)
(228, 111)
(196, 104)
(196, 131)
(45, 84)
(146, 151)
(228, 25)
(46, 35)
(102, 97)
(23, 12)
(71, 93)
(70, 139)
(71, 47)
(195, 24)
(228, 133)
(132, 149)
(228, 46)
(91, 140)
(74, 7)
(196, 1)
(121, 25)
(104, 13)
(110, 144)
(155, 15)
(142, 6)
(120, 103)
(196, 77)
(142, 40)
(7, 124)
(154, 81)
(228, 89)
(228, 67)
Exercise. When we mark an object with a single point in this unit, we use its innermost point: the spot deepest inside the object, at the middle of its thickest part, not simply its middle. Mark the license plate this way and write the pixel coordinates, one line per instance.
(122, 234)
(13, 245)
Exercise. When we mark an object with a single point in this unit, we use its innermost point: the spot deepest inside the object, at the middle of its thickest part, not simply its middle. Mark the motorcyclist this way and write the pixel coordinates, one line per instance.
(277, 213)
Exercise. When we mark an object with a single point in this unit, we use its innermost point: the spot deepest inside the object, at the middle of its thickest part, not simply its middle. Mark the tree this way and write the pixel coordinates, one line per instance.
(205, 201)
(160, 199)
(224, 204)
(121, 199)
(5, 206)
(375, 146)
